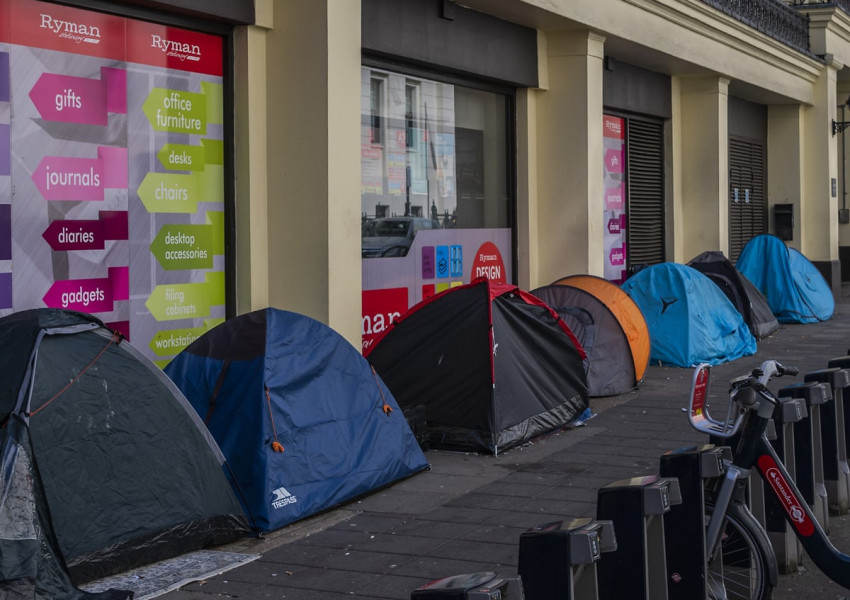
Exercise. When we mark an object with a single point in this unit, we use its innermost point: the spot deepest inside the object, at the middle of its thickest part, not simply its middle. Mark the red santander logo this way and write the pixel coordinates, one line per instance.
(787, 498)
(488, 263)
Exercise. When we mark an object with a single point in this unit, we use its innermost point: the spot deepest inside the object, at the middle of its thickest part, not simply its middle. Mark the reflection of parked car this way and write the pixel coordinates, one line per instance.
(392, 236)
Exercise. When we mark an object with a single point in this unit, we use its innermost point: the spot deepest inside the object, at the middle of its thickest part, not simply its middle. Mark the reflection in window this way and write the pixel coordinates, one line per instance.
(376, 97)
(434, 150)
(411, 115)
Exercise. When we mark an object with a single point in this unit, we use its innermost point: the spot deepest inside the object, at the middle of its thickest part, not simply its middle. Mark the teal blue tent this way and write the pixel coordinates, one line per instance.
(794, 288)
(690, 319)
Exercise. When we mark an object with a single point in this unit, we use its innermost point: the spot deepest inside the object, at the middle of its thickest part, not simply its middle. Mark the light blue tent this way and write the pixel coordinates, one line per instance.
(690, 319)
(792, 285)
(305, 421)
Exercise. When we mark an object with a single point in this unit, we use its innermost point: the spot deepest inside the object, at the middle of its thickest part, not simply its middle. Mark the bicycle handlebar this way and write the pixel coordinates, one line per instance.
(770, 369)
(744, 395)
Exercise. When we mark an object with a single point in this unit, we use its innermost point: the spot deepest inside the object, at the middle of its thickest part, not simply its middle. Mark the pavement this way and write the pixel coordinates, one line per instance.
(466, 513)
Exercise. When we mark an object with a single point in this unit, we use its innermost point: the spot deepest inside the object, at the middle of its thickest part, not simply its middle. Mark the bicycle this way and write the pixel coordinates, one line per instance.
(741, 560)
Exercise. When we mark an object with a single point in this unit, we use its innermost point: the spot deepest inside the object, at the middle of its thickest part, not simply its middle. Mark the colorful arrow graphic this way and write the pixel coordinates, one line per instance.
(176, 111)
(187, 300)
(614, 198)
(70, 99)
(617, 224)
(82, 234)
(90, 295)
(185, 157)
(189, 246)
(617, 256)
(172, 341)
(179, 193)
(72, 178)
(614, 161)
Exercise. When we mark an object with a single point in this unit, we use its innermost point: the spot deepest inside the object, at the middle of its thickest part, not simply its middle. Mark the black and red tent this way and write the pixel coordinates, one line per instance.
(492, 365)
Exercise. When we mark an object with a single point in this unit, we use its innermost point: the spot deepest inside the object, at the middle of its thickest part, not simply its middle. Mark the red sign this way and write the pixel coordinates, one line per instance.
(612, 127)
(66, 29)
(488, 263)
(380, 309)
(179, 49)
(787, 498)
(77, 31)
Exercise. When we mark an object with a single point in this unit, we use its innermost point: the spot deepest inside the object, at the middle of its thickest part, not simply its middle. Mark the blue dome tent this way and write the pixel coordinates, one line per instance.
(303, 419)
(690, 319)
(793, 286)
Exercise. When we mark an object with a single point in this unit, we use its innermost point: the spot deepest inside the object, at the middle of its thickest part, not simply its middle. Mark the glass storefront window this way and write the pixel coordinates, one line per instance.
(432, 149)
(436, 192)
(113, 172)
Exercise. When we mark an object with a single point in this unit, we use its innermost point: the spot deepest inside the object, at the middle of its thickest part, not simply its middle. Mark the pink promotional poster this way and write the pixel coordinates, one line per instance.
(112, 172)
(614, 144)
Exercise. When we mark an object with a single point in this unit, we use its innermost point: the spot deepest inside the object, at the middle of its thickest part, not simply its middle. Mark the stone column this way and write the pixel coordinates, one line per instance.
(704, 160)
(313, 162)
(569, 230)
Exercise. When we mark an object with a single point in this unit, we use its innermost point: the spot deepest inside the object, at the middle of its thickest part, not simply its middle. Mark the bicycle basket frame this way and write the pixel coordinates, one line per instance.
(698, 413)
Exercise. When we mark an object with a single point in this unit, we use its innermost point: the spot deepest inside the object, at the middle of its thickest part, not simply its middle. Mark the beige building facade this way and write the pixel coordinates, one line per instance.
(709, 57)
(740, 113)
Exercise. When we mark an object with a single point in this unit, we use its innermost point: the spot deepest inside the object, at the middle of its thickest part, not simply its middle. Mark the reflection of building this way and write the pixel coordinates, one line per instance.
(407, 141)
(727, 109)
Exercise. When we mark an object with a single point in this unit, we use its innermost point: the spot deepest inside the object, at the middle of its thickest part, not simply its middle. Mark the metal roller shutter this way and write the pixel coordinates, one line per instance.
(645, 147)
(747, 208)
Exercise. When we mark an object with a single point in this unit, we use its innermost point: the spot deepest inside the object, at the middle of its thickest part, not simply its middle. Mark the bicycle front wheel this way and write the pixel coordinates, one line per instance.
(741, 568)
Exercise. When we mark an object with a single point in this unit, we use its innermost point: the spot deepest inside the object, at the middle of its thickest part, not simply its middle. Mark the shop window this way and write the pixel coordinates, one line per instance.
(441, 181)
(436, 146)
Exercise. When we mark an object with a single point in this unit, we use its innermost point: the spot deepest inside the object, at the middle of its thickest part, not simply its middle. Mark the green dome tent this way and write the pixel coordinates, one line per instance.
(105, 466)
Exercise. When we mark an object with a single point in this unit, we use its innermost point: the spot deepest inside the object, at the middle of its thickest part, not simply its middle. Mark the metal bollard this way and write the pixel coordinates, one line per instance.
(836, 471)
(558, 560)
(808, 447)
(486, 585)
(784, 541)
(684, 523)
(637, 569)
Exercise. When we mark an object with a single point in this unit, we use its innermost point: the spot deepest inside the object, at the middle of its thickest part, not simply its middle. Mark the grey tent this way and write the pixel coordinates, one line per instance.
(749, 301)
(105, 466)
(608, 325)
(493, 366)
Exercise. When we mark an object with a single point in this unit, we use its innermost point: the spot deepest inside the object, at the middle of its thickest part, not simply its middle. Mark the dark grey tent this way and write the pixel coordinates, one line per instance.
(749, 301)
(492, 365)
(612, 365)
(105, 466)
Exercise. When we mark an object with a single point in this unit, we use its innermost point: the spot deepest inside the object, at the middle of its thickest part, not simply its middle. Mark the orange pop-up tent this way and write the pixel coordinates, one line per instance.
(609, 326)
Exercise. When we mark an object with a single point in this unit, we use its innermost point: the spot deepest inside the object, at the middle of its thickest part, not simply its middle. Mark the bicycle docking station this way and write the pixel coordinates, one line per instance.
(808, 446)
(486, 585)
(843, 362)
(684, 523)
(836, 472)
(788, 412)
(756, 487)
(558, 560)
(637, 569)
